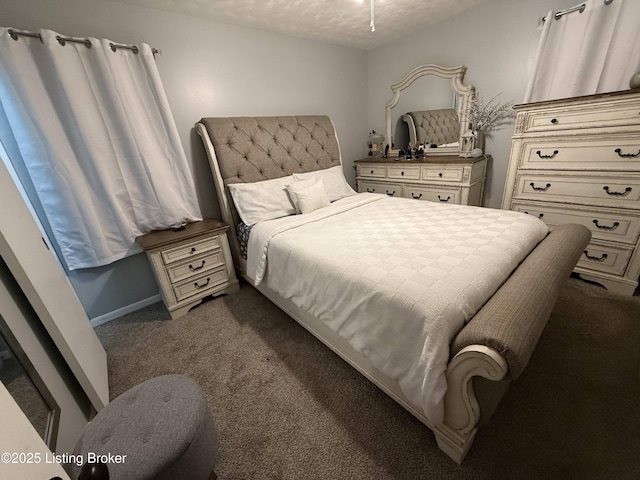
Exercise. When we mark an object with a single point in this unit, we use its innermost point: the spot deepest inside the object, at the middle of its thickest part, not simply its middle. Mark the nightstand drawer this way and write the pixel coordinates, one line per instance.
(180, 271)
(605, 258)
(377, 171)
(190, 250)
(200, 284)
(442, 174)
(404, 172)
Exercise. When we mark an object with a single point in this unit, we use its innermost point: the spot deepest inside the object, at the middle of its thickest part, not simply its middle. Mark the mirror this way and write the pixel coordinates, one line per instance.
(20, 387)
(434, 95)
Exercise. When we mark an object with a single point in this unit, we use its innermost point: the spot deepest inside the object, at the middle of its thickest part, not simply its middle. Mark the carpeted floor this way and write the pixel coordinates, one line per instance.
(286, 407)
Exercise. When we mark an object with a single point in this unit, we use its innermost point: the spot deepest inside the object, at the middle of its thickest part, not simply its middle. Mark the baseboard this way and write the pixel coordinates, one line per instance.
(107, 317)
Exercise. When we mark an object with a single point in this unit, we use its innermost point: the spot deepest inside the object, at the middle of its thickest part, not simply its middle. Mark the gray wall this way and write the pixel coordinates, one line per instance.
(497, 41)
(214, 69)
(209, 69)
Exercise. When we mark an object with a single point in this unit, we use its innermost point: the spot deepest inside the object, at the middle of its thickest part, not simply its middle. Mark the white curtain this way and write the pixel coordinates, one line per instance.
(95, 132)
(595, 51)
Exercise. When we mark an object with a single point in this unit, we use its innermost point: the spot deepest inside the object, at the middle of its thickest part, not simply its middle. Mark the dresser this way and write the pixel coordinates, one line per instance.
(191, 263)
(435, 178)
(577, 160)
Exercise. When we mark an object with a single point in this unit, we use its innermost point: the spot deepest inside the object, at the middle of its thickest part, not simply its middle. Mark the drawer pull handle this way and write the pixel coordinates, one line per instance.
(371, 172)
(619, 194)
(371, 190)
(401, 173)
(444, 199)
(193, 249)
(627, 155)
(391, 194)
(541, 189)
(440, 175)
(195, 269)
(197, 285)
(417, 197)
(606, 227)
(601, 258)
(555, 152)
(554, 120)
(540, 215)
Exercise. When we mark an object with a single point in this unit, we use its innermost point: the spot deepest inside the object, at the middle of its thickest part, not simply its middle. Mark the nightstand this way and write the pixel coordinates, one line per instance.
(191, 263)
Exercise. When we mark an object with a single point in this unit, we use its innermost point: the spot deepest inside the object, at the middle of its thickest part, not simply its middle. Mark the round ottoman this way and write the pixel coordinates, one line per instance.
(161, 429)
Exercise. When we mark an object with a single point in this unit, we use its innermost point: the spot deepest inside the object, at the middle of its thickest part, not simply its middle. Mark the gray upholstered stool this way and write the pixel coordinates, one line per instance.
(163, 426)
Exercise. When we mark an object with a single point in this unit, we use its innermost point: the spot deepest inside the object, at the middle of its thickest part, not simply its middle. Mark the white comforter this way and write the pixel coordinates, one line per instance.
(397, 278)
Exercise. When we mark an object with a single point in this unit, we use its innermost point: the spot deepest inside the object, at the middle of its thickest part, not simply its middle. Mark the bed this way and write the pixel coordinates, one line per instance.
(454, 381)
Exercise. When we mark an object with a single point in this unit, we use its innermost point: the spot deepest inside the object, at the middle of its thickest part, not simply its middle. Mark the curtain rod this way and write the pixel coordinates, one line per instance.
(578, 8)
(87, 43)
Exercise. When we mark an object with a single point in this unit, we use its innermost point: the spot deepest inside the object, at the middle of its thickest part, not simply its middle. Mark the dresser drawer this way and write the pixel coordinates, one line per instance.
(433, 194)
(181, 271)
(609, 225)
(582, 153)
(442, 174)
(605, 258)
(581, 117)
(597, 190)
(391, 189)
(201, 284)
(190, 250)
(404, 172)
(377, 171)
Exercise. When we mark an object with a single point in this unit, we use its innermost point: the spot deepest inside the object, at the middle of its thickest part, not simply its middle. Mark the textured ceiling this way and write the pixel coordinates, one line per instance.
(344, 22)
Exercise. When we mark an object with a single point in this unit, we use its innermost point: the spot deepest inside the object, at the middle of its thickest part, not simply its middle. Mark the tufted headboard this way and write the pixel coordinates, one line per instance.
(252, 149)
(433, 126)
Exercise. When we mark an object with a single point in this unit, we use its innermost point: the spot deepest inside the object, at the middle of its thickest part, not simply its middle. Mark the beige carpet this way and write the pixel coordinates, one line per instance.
(286, 407)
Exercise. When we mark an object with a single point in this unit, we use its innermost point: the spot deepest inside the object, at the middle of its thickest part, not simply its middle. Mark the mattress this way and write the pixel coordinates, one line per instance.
(396, 278)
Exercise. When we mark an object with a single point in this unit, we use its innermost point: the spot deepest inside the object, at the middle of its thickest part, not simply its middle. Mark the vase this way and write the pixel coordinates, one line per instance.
(479, 143)
(471, 140)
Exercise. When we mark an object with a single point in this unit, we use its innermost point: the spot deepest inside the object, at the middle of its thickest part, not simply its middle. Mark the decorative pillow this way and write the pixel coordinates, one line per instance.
(334, 182)
(312, 197)
(260, 201)
(243, 232)
(298, 185)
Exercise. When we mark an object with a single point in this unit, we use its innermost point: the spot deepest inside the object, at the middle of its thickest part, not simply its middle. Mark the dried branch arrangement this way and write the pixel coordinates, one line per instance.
(489, 115)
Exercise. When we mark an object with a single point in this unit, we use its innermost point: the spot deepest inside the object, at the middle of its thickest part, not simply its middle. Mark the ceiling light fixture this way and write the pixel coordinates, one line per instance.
(373, 16)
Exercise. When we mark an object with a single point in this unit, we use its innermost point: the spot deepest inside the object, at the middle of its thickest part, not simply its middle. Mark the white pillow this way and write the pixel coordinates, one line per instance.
(260, 201)
(312, 197)
(298, 185)
(334, 182)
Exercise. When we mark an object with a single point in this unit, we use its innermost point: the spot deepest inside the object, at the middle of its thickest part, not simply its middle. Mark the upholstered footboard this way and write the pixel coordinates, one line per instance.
(498, 341)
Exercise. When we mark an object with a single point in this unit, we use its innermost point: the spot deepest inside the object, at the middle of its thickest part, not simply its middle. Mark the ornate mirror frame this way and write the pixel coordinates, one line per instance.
(464, 92)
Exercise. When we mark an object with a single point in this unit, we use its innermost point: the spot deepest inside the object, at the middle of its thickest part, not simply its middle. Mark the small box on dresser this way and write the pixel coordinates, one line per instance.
(577, 160)
(436, 178)
(190, 264)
